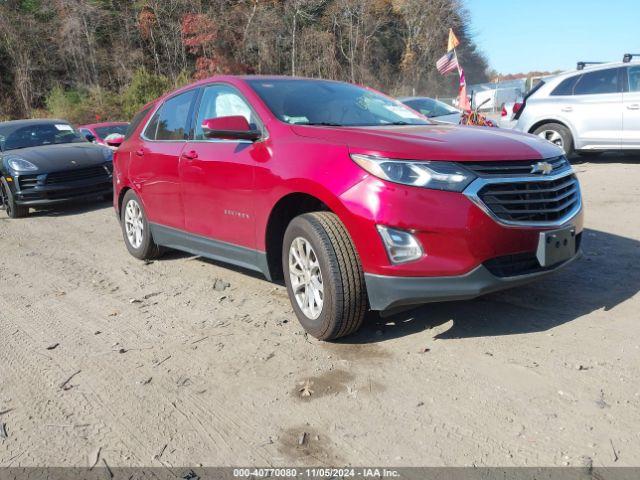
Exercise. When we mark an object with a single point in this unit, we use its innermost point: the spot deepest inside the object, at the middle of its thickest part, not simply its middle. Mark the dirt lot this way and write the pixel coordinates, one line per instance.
(164, 363)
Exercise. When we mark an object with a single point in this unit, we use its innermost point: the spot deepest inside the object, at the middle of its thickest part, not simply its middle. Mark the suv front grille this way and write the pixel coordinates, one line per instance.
(89, 173)
(515, 167)
(532, 200)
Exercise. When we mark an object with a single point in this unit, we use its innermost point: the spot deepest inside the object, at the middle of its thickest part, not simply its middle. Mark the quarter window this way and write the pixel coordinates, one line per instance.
(222, 101)
(171, 121)
(634, 79)
(565, 87)
(600, 81)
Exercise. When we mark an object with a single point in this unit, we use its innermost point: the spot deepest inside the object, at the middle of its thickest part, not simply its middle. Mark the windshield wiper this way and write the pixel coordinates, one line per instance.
(322, 124)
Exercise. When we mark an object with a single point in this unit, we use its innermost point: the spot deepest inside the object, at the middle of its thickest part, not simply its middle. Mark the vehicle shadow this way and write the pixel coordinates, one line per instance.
(68, 209)
(631, 157)
(607, 275)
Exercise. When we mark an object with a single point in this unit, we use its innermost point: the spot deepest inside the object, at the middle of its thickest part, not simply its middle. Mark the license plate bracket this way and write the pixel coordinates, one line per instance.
(555, 246)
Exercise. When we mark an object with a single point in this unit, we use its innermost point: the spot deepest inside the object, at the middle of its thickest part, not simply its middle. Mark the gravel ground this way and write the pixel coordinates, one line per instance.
(183, 361)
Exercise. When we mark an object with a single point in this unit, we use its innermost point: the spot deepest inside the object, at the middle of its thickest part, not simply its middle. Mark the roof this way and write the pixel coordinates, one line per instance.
(102, 124)
(33, 121)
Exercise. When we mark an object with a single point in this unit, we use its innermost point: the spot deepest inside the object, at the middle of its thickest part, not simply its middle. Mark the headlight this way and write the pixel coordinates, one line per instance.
(107, 153)
(436, 175)
(20, 164)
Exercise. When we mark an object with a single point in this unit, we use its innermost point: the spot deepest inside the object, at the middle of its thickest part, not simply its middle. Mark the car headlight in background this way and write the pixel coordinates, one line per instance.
(401, 246)
(447, 176)
(19, 164)
(107, 153)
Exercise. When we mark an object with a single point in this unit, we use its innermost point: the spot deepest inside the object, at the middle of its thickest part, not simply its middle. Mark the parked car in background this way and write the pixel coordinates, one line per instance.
(46, 162)
(355, 199)
(508, 112)
(110, 134)
(432, 108)
(590, 110)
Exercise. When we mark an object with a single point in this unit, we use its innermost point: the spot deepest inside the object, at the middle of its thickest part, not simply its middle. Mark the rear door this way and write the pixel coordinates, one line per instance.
(595, 109)
(154, 167)
(218, 175)
(631, 110)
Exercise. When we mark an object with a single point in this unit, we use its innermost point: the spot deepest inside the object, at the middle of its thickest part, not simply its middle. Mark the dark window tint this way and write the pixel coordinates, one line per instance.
(600, 81)
(634, 79)
(171, 122)
(566, 86)
(133, 126)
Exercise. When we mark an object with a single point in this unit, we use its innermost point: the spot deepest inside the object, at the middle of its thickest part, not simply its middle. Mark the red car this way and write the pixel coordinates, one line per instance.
(357, 201)
(98, 132)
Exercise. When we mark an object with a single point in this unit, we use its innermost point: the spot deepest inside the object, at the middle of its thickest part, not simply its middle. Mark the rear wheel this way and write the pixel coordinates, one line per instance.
(324, 276)
(9, 203)
(557, 134)
(135, 229)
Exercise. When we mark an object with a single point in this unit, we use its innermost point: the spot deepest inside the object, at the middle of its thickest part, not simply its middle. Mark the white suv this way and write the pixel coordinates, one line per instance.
(588, 110)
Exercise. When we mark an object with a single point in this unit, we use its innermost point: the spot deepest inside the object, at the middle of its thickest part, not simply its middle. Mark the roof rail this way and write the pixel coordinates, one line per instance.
(628, 56)
(581, 65)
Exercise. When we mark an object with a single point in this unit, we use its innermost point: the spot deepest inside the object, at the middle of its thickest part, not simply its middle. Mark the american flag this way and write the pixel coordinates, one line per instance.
(447, 63)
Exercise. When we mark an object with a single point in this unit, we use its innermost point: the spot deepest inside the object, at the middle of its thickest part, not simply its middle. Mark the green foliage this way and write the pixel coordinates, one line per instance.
(144, 87)
(65, 104)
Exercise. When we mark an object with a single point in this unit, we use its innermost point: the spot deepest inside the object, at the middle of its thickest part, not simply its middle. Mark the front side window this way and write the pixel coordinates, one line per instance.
(323, 102)
(634, 79)
(171, 121)
(14, 137)
(598, 82)
(222, 101)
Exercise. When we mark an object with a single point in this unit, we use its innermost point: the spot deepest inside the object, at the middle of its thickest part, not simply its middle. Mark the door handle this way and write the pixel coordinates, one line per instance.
(140, 153)
(567, 109)
(190, 155)
(633, 106)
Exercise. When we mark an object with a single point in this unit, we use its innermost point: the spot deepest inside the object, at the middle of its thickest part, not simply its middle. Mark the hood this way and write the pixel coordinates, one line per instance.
(435, 142)
(50, 158)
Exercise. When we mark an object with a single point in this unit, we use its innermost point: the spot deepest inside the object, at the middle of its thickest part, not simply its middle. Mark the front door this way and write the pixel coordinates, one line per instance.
(218, 175)
(631, 110)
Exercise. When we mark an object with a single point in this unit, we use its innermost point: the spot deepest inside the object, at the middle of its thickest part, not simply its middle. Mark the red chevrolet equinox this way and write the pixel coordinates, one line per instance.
(356, 200)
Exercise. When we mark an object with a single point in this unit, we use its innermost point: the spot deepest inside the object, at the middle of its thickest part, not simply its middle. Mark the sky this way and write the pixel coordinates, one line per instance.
(547, 35)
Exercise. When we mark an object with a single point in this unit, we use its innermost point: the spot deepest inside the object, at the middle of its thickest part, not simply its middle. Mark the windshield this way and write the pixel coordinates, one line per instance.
(104, 132)
(321, 102)
(13, 137)
(430, 107)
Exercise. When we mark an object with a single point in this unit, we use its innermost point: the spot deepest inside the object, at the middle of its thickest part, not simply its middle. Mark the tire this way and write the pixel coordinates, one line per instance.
(142, 247)
(343, 297)
(8, 202)
(557, 134)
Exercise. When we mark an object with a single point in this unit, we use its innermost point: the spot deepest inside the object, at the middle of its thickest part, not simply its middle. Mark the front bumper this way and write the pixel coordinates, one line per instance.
(387, 292)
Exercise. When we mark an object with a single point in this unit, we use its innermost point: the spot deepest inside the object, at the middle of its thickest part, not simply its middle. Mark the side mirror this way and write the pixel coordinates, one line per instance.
(90, 137)
(114, 140)
(233, 127)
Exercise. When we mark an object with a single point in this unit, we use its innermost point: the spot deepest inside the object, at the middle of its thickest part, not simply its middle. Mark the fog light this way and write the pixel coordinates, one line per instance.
(401, 246)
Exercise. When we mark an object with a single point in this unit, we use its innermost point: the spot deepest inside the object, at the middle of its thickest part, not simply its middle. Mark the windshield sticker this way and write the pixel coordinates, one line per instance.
(64, 128)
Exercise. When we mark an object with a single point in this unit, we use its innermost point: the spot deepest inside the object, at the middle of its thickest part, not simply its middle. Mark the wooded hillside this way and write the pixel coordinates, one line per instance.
(90, 59)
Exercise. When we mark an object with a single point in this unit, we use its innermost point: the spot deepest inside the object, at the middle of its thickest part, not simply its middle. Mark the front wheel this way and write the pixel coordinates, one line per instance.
(8, 202)
(324, 276)
(557, 134)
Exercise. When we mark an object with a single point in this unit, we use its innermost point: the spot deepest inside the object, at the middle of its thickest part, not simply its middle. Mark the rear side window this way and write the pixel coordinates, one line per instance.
(600, 81)
(634, 79)
(133, 126)
(565, 87)
(172, 120)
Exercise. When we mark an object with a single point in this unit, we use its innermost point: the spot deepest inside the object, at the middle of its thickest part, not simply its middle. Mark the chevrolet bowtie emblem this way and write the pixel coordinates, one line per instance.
(545, 168)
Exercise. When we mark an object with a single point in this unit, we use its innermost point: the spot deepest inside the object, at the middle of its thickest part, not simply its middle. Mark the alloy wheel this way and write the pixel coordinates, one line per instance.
(133, 223)
(4, 199)
(553, 137)
(306, 278)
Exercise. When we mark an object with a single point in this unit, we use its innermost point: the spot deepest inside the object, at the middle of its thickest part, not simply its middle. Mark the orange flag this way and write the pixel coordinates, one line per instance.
(453, 40)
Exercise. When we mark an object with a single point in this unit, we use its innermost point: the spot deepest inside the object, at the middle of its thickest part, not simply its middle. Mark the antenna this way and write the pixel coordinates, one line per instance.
(628, 56)
(581, 65)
